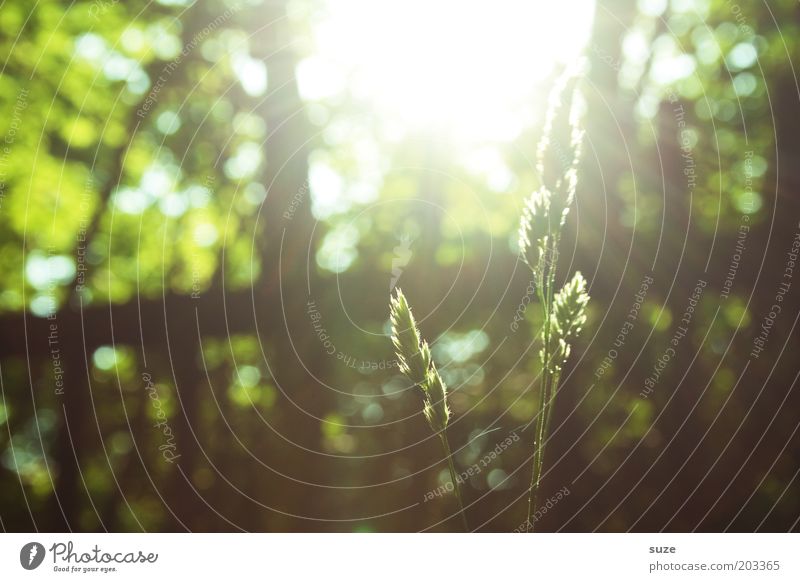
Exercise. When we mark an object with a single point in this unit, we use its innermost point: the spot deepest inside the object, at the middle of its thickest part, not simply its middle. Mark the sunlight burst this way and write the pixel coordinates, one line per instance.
(467, 68)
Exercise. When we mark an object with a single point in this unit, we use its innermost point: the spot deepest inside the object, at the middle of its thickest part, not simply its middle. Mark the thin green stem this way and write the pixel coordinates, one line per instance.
(537, 455)
(552, 378)
(553, 391)
(547, 391)
(539, 438)
(454, 479)
(532, 491)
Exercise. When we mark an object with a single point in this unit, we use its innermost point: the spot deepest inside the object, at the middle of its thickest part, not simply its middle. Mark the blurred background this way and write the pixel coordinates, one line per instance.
(204, 207)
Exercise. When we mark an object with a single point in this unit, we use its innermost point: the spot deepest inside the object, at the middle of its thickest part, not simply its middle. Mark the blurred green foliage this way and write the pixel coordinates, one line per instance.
(136, 169)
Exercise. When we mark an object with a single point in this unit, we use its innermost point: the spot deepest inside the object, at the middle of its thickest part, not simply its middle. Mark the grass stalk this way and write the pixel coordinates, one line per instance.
(540, 233)
(416, 363)
(454, 479)
(546, 387)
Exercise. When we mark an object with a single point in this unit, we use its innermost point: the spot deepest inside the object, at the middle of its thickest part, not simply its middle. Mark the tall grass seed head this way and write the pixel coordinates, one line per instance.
(413, 353)
(569, 308)
(436, 410)
(560, 147)
(534, 228)
(414, 358)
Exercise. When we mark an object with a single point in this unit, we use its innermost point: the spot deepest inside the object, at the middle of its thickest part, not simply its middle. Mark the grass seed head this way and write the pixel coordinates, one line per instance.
(413, 353)
(436, 410)
(560, 147)
(414, 357)
(569, 314)
(534, 228)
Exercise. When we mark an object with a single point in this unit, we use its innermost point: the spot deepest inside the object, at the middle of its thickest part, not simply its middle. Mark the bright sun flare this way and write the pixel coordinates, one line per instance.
(471, 68)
